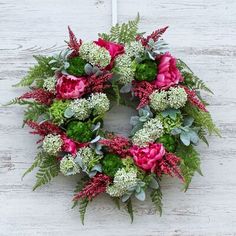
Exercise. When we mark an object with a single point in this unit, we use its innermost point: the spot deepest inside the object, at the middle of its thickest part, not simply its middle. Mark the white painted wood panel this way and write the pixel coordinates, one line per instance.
(203, 33)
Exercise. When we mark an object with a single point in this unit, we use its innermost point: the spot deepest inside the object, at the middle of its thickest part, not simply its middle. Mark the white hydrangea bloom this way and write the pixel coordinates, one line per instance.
(158, 101)
(68, 166)
(134, 49)
(123, 180)
(177, 97)
(81, 108)
(52, 144)
(99, 103)
(123, 64)
(50, 84)
(95, 54)
(87, 154)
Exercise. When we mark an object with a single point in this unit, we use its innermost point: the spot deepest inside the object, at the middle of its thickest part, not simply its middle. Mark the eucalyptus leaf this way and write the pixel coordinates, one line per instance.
(126, 88)
(154, 184)
(88, 69)
(69, 112)
(96, 139)
(185, 138)
(188, 121)
(125, 197)
(141, 195)
(134, 120)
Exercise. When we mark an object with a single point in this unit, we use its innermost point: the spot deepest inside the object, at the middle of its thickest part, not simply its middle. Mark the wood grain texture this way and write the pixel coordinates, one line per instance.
(203, 33)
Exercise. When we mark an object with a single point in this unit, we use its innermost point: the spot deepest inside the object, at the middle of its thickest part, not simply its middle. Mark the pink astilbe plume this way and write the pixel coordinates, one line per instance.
(118, 145)
(193, 99)
(169, 165)
(73, 43)
(95, 186)
(97, 84)
(44, 128)
(40, 95)
(142, 90)
(155, 35)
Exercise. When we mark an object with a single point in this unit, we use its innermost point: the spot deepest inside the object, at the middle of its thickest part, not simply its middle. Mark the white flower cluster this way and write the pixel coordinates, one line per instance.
(50, 84)
(80, 108)
(52, 144)
(123, 180)
(99, 103)
(123, 64)
(95, 54)
(68, 166)
(134, 49)
(176, 98)
(151, 131)
(88, 155)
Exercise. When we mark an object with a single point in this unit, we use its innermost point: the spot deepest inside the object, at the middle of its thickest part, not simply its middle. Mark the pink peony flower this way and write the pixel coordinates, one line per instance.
(68, 145)
(147, 157)
(69, 86)
(114, 49)
(168, 74)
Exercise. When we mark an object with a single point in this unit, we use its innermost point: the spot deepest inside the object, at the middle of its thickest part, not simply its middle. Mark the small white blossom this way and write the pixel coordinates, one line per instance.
(99, 103)
(68, 166)
(50, 84)
(134, 49)
(81, 108)
(158, 100)
(177, 97)
(52, 144)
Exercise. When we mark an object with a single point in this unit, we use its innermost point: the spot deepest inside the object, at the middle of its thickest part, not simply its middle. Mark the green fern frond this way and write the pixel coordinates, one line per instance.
(156, 196)
(190, 162)
(202, 135)
(202, 119)
(130, 209)
(38, 72)
(82, 209)
(116, 200)
(78, 188)
(34, 111)
(19, 102)
(188, 74)
(38, 160)
(124, 33)
(48, 169)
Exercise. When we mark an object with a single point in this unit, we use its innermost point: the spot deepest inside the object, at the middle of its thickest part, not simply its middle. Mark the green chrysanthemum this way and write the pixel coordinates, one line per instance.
(79, 131)
(95, 54)
(76, 67)
(50, 84)
(56, 111)
(169, 142)
(68, 166)
(81, 108)
(123, 181)
(158, 101)
(169, 123)
(111, 163)
(177, 97)
(146, 70)
(99, 103)
(52, 144)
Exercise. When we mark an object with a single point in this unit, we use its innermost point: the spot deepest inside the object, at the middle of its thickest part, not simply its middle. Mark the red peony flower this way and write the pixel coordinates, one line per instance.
(114, 49)
(168, 74)
(69, 86)
(68, 145)
(147, 157)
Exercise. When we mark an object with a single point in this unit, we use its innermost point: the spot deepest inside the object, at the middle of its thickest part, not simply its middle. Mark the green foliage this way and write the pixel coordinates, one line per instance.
(111, 163)
(48, 168)
(82, 208)
(116, 200)
(146, 70)
(57, 110)
(38, 72)
(124, 33)
(168, 141)
(190, 79)
(202, 135)
(80, 131)
(80, 185)
(19, 102)
(201, 119)
(130, 209)
(190, 162)
(156, 196)
(34, 111)
(76, 67)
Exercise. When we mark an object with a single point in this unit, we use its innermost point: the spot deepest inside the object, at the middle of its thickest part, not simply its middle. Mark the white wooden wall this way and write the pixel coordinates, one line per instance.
(203, 33)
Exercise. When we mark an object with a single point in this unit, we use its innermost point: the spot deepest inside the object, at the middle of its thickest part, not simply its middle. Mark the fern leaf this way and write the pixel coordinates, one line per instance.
(202, 119)
(18, 101)
(130, 209)
(38, 72)
(82, 209)
(34, 111)
(156, 196)
(124, 33)
(202, 135)
(78, 188)
(48, 169)
(190, 162)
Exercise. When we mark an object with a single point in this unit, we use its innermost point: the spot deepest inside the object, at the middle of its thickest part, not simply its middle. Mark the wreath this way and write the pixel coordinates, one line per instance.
(70, 94)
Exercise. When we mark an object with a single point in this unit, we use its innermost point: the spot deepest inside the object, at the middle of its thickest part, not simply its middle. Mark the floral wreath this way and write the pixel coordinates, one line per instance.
(70, 94)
